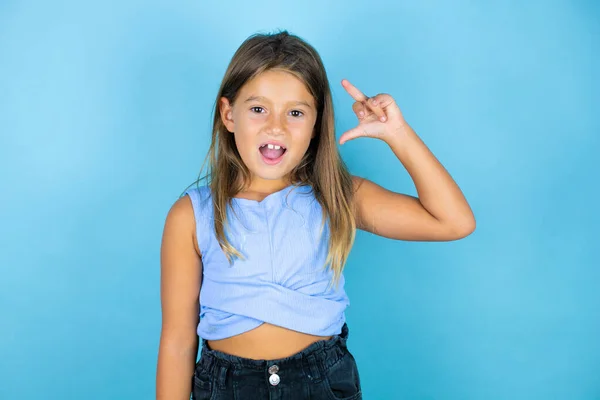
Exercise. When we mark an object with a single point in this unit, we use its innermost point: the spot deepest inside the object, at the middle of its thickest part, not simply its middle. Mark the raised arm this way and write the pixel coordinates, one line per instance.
(439, 213)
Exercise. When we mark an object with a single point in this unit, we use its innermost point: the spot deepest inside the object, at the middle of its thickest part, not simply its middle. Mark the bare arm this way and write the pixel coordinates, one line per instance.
(181, 272)
(440, 213)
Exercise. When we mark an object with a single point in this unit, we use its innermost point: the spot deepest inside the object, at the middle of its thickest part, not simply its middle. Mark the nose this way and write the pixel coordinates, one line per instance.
(275, 124)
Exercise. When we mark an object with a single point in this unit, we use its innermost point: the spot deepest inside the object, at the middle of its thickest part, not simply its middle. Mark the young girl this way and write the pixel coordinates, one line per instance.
(264, 243)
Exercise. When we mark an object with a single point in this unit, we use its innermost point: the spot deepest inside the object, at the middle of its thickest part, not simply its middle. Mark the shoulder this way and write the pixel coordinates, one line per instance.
(357, 182)
(370, 199)
(365, 189)
(180, 223)
(181, 210)
(200, 197)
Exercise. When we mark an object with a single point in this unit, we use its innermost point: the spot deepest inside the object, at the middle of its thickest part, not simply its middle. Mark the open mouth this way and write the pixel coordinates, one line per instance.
(272, 153)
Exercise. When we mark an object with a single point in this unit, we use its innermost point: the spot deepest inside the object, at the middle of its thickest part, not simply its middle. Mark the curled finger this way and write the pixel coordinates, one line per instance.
(359, 109)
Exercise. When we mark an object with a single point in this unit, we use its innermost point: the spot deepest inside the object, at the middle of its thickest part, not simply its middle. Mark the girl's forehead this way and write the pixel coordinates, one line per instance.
(276, 86)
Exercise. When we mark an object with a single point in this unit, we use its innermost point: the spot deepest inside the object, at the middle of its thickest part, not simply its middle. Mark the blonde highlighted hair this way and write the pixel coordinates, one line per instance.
(321, 167)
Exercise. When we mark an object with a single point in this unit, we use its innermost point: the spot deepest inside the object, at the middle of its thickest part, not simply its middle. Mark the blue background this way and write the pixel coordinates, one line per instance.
(104, 120)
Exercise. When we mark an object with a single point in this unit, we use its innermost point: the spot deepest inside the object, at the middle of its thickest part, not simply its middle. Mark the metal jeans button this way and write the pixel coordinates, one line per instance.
(273, 369)
(274, 379)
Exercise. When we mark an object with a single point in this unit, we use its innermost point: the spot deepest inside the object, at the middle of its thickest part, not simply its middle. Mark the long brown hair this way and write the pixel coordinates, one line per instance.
(321, 167)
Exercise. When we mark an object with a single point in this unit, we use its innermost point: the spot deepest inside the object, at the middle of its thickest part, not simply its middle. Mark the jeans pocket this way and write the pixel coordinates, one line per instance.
(342, 381)
(203, 385)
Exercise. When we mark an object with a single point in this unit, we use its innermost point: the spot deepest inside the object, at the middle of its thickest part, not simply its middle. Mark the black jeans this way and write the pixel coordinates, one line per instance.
(324, 370)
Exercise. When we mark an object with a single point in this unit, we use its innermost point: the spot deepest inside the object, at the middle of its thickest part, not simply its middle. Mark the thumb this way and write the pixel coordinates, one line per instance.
(364, 130)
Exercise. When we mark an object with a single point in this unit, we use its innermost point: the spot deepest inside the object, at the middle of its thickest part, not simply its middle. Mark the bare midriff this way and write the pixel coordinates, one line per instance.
(266, 342)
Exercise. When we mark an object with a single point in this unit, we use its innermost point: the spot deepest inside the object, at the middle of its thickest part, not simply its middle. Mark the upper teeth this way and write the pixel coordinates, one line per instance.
(273, 146)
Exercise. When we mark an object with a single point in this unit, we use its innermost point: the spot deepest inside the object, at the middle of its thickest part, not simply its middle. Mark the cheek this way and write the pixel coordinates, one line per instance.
(243, 141)
(247, 130)
(244, 128)
(301, 144)
(300, 127)
(301, 132)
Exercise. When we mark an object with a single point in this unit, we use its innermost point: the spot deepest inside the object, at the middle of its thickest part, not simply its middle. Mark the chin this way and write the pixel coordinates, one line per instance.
(269, 173)
(269, 176)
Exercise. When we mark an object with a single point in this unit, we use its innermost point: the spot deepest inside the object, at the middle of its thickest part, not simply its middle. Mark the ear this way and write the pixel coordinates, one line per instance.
(226, 112)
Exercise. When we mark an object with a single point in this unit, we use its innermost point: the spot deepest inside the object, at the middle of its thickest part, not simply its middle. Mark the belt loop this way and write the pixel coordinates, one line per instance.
(222, 376)
(313, 367)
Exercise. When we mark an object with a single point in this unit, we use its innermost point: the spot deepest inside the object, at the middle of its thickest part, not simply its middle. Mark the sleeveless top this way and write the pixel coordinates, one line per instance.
(281, 280)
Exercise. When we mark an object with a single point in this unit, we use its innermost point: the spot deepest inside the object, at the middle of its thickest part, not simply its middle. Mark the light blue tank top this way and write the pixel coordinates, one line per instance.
(281, 280)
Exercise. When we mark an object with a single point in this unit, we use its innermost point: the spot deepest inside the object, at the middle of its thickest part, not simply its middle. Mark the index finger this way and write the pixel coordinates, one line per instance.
(353, 91)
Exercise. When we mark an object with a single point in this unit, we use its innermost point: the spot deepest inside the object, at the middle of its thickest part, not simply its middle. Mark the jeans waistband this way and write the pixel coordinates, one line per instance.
(313, 360)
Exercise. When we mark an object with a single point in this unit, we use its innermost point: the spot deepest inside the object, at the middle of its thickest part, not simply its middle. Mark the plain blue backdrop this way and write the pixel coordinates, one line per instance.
(105, 112)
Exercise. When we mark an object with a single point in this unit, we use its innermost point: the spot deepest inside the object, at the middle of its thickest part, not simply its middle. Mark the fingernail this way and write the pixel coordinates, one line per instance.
(382, 119)
(361, 114)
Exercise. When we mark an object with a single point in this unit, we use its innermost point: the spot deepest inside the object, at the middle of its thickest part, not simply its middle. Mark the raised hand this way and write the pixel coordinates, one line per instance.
(379, 116)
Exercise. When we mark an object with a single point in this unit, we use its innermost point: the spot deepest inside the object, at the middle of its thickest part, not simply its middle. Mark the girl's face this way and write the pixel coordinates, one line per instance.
(273, 121)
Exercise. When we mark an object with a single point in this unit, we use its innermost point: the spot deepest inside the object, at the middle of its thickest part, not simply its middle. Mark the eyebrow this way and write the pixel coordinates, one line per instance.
(260, 98)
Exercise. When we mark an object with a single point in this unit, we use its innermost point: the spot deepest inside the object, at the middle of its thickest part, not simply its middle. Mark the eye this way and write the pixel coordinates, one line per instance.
(255, 108)
(299, 112)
